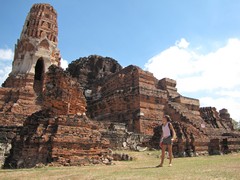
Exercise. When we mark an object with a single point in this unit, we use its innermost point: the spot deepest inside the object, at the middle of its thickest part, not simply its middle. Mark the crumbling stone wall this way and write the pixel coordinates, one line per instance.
(62, 93)
(168, 85)
(215, 121)
(117, 100)
(7, 134)
(138, 100)
(122, 96)
(226, 118)
(152, 102)
(59, 140)
(128, 96)
(61, 134)
(120, 138)
(18, 97)
(91, 71)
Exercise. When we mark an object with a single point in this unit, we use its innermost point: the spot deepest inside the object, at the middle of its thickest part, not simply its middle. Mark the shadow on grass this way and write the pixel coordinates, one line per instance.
(147, 167)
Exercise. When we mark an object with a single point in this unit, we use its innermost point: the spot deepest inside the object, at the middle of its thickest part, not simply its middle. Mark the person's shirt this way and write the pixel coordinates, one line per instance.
(166, 130)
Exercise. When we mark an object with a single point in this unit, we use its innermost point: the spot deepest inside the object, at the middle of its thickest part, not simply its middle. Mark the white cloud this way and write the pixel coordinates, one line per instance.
(6, 54)
(4, 71)
(216, 73)
(234, 93)
(64, 63)
(182, 43)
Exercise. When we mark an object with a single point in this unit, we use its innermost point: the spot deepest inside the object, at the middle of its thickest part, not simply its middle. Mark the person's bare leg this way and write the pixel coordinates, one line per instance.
(163, 154)
(170, 154)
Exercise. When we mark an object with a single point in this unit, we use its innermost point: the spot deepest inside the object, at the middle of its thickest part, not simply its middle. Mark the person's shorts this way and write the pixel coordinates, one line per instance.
(167, 140)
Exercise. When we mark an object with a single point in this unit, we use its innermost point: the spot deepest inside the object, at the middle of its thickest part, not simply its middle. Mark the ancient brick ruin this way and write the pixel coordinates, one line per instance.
(74, 117)
(35, 51)
(137, 100)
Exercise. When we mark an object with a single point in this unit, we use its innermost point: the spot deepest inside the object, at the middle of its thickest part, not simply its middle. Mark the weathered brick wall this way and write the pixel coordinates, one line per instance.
(7, 134)
(120, 138)
(152, 102)
(130, 96)
(226, 118)
(118, 99)
(190, 103)
(78, 141)
(188, 118)
(232, 144)
(188, 124)
(17, 95)
(5, 98)
(92, 70)
(11, 119)
(168, 85)
(62, 93)
(59, 140)
(19, 81)
(218, 125)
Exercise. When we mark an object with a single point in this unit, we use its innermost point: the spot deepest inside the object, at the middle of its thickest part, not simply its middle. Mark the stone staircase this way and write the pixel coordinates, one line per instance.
(186, 116)
(213, 139)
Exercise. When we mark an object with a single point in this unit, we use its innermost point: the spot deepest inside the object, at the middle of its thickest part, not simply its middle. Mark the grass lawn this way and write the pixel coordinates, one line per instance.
(142, 167)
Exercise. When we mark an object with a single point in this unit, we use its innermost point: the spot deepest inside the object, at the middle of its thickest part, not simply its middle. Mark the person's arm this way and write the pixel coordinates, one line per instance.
(174, 133)
(161, 130)
(161, 140)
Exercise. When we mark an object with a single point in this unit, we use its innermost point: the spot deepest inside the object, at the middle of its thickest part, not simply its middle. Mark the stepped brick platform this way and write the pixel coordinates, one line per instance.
(125, 97)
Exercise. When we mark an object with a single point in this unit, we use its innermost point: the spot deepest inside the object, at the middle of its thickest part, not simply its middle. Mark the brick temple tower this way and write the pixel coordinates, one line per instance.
(36, 49)
(35, 52)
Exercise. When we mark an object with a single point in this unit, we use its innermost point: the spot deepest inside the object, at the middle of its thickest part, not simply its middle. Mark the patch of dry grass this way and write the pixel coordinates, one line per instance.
(142, 167)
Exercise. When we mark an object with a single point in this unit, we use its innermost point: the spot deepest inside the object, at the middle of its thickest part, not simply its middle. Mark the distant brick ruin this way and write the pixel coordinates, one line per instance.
(75, 117)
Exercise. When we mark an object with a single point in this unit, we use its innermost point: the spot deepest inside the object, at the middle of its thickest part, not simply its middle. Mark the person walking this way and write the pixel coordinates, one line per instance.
(167, 138)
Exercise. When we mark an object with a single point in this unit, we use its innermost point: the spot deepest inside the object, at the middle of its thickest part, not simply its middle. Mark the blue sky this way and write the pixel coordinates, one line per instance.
(196, 43)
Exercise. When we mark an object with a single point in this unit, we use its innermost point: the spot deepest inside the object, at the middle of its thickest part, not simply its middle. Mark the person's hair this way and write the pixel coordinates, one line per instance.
(168, 118)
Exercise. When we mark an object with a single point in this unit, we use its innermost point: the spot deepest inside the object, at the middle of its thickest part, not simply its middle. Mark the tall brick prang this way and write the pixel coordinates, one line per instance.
(35, 51)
